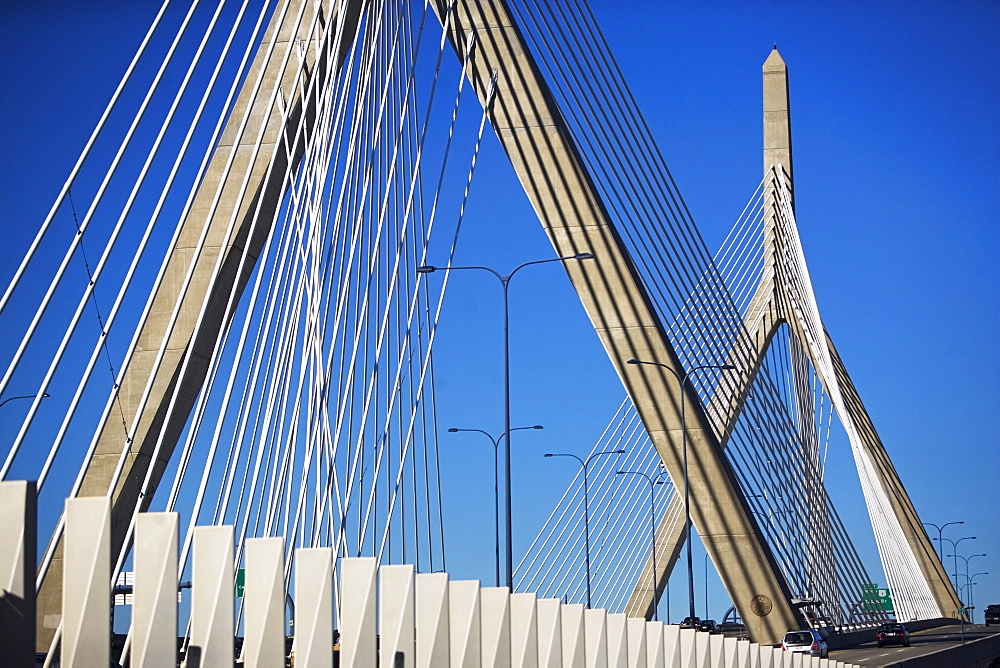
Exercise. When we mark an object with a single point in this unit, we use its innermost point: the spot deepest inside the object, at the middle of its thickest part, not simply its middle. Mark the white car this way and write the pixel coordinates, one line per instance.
(809, 642)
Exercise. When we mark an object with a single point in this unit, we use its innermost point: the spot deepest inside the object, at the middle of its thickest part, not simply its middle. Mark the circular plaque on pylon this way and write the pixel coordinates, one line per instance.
(761, 605)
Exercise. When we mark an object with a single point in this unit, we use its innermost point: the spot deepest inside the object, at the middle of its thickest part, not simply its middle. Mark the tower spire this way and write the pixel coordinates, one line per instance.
(777, 121)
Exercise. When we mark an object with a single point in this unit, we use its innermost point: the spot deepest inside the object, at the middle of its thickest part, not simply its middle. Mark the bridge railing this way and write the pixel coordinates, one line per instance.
(387, 615)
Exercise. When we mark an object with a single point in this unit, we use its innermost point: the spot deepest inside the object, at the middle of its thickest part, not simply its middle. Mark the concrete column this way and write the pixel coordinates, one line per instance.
(574, 640)
(655, 650)
(549, 633)
(523, 630)
(671, 645)
(595, 623)
(495, 629)
(464, 617)
(264, 603)
(18, 500)
(396, 615)
(212, 615)
(433, 644)
(86, 637)
(314, 607)
(729, 655)
(635, 630)
(687, 645)
(154, 607)
(617, 640)
(357, 612)
(777, 116)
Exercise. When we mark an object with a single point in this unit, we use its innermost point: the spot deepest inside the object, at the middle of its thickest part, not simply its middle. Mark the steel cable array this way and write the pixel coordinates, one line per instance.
(316, 420)
(317, 417)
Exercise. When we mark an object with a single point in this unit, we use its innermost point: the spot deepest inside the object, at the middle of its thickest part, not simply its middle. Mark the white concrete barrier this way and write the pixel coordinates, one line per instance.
(387, 616)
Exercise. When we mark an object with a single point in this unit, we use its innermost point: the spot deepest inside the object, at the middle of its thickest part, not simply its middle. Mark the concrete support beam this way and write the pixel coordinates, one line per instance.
(543, 155)
(18, 526)
(669, 541)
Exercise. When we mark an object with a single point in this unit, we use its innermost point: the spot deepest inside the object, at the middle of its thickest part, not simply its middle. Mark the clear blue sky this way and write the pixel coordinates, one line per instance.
(896, 143)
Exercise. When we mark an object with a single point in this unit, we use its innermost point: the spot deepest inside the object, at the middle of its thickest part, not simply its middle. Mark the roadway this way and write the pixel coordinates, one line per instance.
(927, 642)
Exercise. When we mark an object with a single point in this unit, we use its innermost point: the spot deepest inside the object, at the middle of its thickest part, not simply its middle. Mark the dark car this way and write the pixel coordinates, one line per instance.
(690, 623)
(992, 614)
(708, 626)
(892, 634)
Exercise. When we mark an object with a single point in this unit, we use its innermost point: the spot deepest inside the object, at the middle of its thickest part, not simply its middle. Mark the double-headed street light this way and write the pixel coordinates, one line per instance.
(954, 548)
(972, 601)
(940, 530)
(496, 481)
(966, 560)
(682, 383)
(584, 463)
(504, 283)
(653, 482)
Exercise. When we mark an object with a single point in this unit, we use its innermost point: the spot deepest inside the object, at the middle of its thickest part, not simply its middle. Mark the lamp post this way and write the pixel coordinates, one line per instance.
(940, 529)
(967, 560)
(972, 601)
(954, 547)
(682, 382)
(653, 482)
(706, 583)
(584, 463)
(496, 482)
(504, 283)
(45, 395)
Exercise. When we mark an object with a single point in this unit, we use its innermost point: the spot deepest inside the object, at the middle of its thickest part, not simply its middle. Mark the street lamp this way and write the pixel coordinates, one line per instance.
(504, 283)
(584, 463)
(954, 547)
(496, 482)
(939, 530)
(653, 482)
(706, 583)
(682, 382)
(967, 560)
(972, 601)
(45, 395)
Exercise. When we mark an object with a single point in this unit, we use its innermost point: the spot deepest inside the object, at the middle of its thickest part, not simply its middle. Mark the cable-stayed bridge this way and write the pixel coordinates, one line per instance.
(262, 354)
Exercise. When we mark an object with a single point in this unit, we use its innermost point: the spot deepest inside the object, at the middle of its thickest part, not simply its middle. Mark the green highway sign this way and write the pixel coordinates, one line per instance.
(241, 578)
(876, 598)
